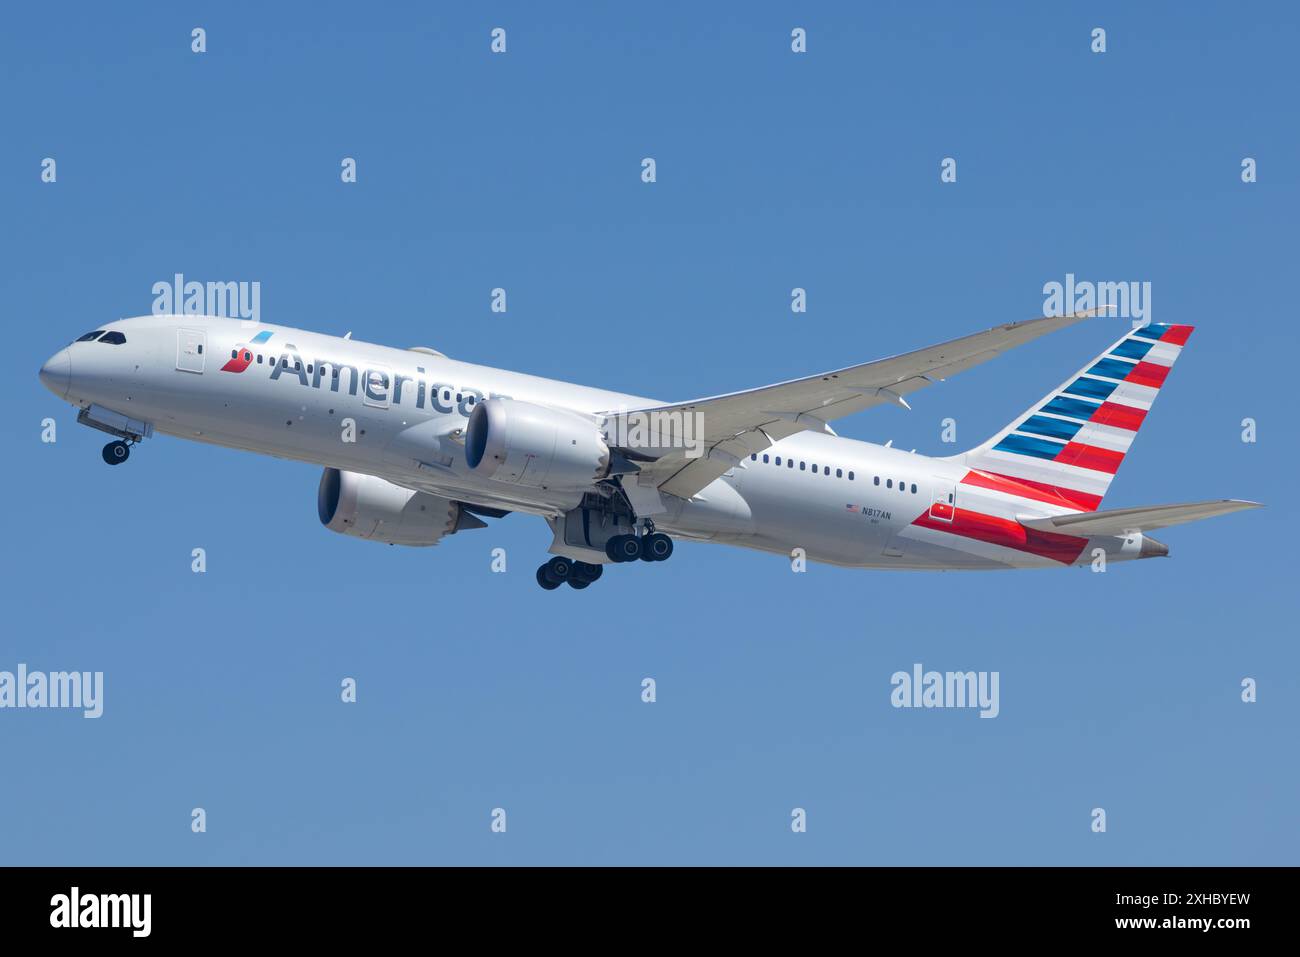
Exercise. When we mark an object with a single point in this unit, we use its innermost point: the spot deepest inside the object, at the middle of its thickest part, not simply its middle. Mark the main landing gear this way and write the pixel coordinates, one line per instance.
(115, 453)
(655, 547)
(560, 570)
(651, 547)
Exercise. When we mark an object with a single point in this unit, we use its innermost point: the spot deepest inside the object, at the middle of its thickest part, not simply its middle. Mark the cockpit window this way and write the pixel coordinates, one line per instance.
(113, 338)
(90, 336)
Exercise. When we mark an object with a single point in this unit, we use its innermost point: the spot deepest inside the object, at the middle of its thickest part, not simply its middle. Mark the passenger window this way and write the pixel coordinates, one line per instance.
(839, 473)
(90, 336)
(913, 488)
(778, 460)
(889, 483)
(877, 480)
(259, 358)
(801, 466)
(765, 459)
(114, 338)
(789, 463)
(814, 468)
(850, 476)
(234, 353)
(754, 457)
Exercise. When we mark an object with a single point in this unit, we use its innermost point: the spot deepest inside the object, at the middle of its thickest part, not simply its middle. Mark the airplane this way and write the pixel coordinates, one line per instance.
(417, 446)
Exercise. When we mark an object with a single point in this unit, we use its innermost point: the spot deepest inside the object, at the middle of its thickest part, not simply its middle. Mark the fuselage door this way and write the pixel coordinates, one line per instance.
(190, 345)
(943, 502)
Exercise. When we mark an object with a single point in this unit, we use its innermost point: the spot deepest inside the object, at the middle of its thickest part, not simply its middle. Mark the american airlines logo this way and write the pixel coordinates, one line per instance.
(243, 357)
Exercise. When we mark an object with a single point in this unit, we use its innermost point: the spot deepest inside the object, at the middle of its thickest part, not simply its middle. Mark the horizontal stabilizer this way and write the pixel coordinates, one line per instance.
(1120, 521)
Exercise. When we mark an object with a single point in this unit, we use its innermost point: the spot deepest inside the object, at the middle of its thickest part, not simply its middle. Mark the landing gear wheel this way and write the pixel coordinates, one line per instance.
(623, 548)
(585, 572)
(544, 581)
(578, 583)
(656, 548)
(559, 569)
(115, 453)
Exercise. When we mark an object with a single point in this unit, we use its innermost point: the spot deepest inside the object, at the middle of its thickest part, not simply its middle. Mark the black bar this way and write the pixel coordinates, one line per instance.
(207, 906)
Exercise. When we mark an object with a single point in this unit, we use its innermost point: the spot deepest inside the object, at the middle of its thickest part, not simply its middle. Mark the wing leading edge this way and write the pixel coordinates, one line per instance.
(730, 427)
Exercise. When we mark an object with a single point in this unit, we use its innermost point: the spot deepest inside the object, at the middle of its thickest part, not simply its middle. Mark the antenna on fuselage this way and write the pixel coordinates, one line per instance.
(349, 334)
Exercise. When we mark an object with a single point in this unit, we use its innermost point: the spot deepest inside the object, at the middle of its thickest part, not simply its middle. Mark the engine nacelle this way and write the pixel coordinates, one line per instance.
(369, 507)
(527, 444)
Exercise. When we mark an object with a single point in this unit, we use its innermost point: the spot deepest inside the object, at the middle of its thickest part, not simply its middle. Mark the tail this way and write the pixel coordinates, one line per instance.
(1066, 449)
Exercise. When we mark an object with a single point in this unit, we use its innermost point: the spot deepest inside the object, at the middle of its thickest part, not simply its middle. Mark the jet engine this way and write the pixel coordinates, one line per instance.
(369, 507)
(535, 446)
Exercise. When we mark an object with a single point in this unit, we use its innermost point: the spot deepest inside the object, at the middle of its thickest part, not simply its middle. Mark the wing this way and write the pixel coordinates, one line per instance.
(724, 429)
(1121, 521)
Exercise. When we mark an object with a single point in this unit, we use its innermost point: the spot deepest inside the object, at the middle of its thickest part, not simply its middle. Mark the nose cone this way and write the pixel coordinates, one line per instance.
(57, 372)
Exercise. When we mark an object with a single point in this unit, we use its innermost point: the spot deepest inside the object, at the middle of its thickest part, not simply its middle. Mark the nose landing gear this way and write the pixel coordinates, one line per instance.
(126, 430)
(115, 453)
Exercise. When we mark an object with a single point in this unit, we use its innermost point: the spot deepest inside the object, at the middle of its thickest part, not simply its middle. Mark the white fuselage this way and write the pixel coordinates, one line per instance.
(863, 505)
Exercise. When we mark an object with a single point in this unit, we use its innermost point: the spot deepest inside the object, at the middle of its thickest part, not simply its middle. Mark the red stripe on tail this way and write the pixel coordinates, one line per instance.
(1009, 534)
(1149, 374)
(1119, 416)
(1036, 491)
(1090, 457)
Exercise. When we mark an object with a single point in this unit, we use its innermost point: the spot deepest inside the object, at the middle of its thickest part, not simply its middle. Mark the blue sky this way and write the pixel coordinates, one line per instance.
(775, 170)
